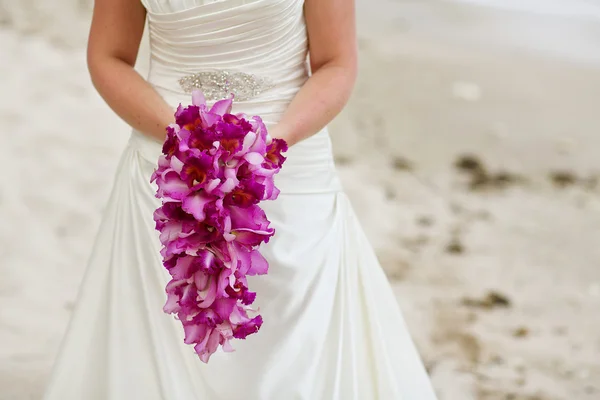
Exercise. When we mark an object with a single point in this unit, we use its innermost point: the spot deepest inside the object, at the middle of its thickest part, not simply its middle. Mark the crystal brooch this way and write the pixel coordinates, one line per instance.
(217, 85)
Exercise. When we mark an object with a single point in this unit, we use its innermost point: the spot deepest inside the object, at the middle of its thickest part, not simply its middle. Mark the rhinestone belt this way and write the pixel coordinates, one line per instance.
(217, 85)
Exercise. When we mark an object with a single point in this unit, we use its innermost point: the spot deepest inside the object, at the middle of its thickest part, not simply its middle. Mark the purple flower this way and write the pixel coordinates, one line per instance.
(232, 134)
(240, 291)
(208, 293)
(260, 144)
(195, 333)
(188, 118)
(196, 140)
(190, 243)
(170, 146)
(250, 225)
(197, 170)
(248, 193)
(271, 192)
(170, 212)
(196, 203)
(258, 264)
(174, 289)
(224, 307)
(171, 187)
(222, 107)
(248, 327)
(274, 158)
(182, 267)
(208, 346)
(215, 169)
(248, 261)
(172, 231)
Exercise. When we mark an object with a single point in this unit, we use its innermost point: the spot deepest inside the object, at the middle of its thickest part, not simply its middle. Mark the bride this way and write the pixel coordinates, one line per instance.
(333, 329)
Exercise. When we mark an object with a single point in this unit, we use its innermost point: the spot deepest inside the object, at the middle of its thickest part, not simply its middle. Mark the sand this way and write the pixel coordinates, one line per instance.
(469, 150)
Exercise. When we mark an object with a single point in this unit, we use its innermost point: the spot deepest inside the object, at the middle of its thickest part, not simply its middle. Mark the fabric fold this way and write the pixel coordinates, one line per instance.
(332, 327)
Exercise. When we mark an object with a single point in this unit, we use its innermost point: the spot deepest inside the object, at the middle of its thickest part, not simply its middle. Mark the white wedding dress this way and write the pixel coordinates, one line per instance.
(332, 327)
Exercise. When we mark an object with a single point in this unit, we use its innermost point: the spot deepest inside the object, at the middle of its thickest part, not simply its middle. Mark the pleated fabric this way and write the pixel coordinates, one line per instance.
(262, 37)
(332, 330)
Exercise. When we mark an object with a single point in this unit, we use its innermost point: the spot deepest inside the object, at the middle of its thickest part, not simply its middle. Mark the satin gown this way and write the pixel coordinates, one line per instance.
(333, 329)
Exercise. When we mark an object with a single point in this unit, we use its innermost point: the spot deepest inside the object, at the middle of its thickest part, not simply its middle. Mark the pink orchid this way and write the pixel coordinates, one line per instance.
(197, 170)
(171, 186)
(250, 225)
(215, 169)
(196, 203)
(274, 158)
(248, 193)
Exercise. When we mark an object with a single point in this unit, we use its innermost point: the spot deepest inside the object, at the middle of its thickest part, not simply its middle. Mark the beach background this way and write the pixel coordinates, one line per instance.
(470, 150)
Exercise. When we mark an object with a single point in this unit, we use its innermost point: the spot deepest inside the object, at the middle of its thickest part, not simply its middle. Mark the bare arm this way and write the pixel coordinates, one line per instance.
(333, 59)
(117, 28)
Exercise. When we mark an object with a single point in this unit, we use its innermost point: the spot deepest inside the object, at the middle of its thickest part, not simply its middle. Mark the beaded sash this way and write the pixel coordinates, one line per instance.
(217, 85)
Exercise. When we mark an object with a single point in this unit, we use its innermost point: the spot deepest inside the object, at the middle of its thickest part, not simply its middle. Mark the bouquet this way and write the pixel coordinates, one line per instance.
(215, 169)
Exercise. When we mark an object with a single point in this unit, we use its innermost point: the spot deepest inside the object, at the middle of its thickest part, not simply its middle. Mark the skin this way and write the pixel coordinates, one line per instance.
(333, 60)
(116, 31)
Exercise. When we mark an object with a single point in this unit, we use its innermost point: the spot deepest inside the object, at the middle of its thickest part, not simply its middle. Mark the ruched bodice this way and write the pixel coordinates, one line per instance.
(265, 38)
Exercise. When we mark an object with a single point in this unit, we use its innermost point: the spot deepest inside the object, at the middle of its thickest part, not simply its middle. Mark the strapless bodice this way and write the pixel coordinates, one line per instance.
(264, 39)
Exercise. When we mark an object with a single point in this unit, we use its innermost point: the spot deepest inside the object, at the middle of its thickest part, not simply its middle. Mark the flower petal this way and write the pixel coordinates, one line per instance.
(171, 186)
(224, 307)
(198, 98)
(196, 203)
(222, 107)
(194, 333)
(258, 264)
(248, 328)
(254, 158)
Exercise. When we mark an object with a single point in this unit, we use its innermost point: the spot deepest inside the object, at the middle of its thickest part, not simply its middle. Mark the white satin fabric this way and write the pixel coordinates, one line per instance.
(332, 330)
